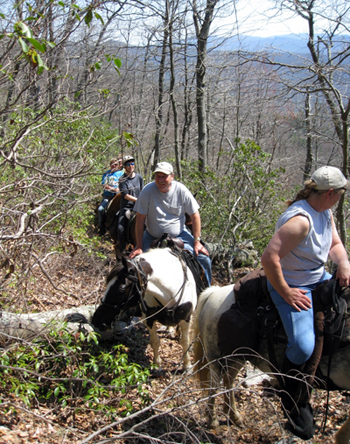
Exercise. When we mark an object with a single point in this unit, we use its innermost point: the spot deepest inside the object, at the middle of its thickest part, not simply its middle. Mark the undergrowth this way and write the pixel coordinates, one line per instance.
(67, 369)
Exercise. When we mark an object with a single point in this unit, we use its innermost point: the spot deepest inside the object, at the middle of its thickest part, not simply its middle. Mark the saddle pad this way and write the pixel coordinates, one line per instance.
(237, 332)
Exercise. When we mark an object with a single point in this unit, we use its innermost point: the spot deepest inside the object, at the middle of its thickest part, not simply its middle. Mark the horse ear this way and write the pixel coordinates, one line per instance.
(146, 266)
(125, 262)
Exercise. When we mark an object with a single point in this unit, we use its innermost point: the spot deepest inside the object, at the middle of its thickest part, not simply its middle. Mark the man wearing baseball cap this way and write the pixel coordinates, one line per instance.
(294, 263)
(162, 206)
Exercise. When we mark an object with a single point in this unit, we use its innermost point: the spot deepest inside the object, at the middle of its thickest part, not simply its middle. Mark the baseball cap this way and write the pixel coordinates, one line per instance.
(328, 177)
(164, 167)
(127, 159)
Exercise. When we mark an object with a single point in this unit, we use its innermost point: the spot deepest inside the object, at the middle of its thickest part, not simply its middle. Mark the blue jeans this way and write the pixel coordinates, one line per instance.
(101, 213)
(298, 325)
(188, 241)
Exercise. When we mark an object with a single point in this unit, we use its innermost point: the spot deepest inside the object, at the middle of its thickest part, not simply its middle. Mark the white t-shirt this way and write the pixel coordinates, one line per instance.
(165, 212)
(304, 265)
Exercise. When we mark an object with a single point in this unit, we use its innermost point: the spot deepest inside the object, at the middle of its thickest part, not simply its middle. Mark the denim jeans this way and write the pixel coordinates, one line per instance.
(188, 241)
(298, 325)
(101, 212)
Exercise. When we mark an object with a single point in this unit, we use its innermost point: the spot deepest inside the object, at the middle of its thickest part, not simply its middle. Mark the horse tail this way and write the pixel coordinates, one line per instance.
(201, 367)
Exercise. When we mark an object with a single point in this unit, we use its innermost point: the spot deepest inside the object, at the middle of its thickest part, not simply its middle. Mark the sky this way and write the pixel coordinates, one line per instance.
(253, 19)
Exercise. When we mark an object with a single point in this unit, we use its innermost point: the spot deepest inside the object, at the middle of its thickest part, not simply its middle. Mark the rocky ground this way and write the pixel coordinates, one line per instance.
(177, 413)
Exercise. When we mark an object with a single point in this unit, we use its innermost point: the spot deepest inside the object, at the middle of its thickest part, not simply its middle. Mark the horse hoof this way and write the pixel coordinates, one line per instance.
(213, 423)
(237, 421)
(188, 369)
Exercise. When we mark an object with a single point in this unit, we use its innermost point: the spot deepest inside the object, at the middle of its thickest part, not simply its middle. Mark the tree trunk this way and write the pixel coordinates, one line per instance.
(159, 111)
(202, 34)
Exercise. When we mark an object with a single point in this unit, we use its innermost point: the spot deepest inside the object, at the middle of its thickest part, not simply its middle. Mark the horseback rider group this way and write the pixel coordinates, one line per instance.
(294, 260)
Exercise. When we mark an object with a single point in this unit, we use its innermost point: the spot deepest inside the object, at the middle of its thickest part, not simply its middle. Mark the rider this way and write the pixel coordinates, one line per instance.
(294, 263)
(110, 186)
(130, 185)
(162, 205)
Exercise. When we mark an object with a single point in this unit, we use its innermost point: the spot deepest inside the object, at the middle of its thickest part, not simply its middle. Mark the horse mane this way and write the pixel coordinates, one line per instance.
(115, 271)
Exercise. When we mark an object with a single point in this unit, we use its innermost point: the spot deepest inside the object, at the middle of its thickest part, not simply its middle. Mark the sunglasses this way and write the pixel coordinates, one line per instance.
(130, 164)
(114, 164)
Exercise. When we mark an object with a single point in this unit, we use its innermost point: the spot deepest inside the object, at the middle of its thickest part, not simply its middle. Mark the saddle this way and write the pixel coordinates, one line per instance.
(177, 245)
(166, 241)
(255, 316)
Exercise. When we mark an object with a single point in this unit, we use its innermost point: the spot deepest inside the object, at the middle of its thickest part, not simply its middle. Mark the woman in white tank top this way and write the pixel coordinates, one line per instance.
(294, 263)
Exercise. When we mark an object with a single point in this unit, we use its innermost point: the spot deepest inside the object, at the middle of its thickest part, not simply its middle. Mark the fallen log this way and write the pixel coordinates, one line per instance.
(28, 326)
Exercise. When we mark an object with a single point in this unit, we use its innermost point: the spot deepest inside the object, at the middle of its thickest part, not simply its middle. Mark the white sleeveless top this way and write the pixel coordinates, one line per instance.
(304, 265)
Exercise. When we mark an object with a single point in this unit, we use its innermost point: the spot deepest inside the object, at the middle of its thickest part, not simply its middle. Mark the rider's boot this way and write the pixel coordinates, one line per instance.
(295, 397)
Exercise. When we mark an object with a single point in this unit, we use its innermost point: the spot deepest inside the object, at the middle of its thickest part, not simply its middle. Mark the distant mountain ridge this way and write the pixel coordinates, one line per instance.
(294, 43)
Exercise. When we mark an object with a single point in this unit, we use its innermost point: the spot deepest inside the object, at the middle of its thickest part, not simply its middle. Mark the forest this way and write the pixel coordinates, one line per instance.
(163, 81)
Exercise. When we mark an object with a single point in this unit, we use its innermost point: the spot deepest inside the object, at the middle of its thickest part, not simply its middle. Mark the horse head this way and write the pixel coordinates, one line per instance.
(121, 296)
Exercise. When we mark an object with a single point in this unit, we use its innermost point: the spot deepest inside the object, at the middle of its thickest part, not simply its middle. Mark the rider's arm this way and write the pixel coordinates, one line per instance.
(339, 256)
(130, 197)
(283, 241)
(196, 231)
(140, 223)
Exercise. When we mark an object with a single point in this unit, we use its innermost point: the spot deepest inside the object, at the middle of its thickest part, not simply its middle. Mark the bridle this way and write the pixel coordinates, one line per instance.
(138, 286)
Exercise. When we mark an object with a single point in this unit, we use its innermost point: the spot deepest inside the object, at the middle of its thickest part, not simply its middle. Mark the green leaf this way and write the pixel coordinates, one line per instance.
(56, 391)
(2, 15)
(99, 18)
(118, 62)
(23, 44)
(24, 29)
(39, 60)
(88, 17)
(37, 45)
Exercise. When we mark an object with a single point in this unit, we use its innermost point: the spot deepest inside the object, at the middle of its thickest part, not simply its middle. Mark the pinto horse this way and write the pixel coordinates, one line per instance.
(158, 283)
(211, 365)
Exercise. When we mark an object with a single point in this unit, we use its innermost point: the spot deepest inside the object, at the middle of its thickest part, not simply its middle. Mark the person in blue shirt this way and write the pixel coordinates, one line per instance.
(110, 184)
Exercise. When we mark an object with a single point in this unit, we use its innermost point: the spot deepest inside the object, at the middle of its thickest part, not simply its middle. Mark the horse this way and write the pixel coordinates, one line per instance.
(161, 286)
(211, 364)
(343, 434)
(112, 223)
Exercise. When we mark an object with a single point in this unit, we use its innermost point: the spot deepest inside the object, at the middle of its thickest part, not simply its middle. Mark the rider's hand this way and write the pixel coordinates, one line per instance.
(298, 299)
(200, 248)
(343, 273)
(135, 252)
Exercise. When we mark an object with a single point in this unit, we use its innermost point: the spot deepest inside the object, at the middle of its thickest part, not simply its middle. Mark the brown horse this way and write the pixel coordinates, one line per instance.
(112, 223)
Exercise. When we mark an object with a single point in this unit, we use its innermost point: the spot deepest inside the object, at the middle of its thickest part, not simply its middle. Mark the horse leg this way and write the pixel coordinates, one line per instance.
(343, 434)
(185, 343)
(215, 375)
(230, 376)
(155, 342)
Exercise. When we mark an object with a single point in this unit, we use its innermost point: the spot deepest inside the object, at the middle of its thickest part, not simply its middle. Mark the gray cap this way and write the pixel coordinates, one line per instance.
(328, 177)
(164, 167)
(127, 159)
